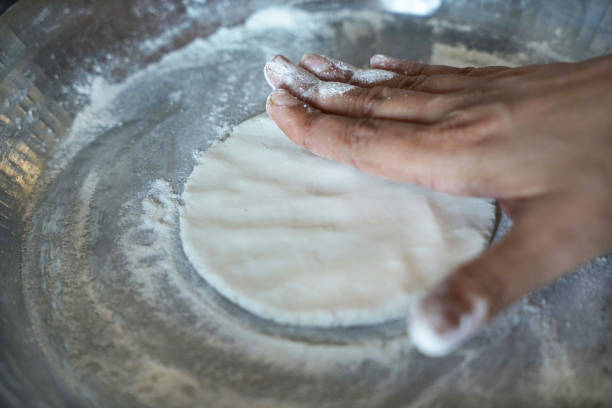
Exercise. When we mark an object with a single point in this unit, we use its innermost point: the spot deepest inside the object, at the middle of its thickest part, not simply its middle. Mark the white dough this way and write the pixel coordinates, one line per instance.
(299, 239)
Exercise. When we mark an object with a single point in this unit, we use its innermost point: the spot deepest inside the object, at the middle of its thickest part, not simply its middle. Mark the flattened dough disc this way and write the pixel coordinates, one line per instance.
(302, 240)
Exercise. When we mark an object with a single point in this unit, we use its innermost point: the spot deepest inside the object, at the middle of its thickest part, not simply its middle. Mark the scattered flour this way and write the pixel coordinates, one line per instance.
(154, 44)
(461, 56)
(96, 116)
(82, 216)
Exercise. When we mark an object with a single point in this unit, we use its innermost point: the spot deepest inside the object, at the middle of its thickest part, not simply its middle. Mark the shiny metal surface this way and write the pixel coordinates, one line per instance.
(98, 310)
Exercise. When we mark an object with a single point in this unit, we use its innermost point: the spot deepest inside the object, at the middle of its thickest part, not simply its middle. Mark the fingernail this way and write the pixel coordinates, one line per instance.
(434, 334)
(280, 72)
(277, 67)
(316, 63)
(281, 97)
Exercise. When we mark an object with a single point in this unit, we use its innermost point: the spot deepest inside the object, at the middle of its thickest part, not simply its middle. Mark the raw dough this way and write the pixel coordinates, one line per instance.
(299, 239)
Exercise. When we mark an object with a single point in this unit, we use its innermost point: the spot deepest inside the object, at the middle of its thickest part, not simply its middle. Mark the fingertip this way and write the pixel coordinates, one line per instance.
(316, 63)
(379, 60)
(290, 114)
(306, 58)
(275, 68)
(437, 327)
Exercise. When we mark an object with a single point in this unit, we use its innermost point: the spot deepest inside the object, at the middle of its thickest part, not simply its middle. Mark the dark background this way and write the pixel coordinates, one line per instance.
(5, 4)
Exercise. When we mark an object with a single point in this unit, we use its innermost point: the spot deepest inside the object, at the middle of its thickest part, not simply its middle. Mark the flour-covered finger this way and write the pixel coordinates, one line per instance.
(330, 69)
(359, 142)
(407, 152)
(341, 98)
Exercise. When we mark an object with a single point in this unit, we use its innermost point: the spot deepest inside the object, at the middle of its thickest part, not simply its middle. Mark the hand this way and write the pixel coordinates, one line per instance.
(538, 138)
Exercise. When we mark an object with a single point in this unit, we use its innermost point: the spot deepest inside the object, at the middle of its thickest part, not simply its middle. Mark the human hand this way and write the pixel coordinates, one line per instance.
(537, 138)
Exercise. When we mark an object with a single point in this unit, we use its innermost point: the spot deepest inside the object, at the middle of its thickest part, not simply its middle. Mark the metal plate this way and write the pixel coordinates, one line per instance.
(100, 306)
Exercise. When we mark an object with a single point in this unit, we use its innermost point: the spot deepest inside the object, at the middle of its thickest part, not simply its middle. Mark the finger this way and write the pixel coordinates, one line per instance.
(354, 141)
(397, 151)
(329, 69)
(406, 67)
(541, 247)
(346, 99)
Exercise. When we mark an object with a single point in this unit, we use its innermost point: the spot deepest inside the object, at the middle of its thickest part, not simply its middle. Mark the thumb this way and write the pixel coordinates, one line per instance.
(540, 247)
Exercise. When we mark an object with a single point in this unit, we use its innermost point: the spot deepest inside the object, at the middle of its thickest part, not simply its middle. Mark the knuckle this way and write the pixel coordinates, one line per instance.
(357, 136)
(419, 82)
(474, 125)
(433, 83)
(413, 82)
(366, 101)
(405, 82)
(412, 68)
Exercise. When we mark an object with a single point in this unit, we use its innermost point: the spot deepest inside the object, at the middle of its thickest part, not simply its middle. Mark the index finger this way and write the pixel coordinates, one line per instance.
(406, 152)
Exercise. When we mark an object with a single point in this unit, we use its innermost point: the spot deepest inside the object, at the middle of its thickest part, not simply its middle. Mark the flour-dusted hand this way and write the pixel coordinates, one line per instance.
(538, 138)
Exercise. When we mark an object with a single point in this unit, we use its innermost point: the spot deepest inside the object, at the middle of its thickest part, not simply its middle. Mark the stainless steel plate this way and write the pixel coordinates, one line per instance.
(100, 306)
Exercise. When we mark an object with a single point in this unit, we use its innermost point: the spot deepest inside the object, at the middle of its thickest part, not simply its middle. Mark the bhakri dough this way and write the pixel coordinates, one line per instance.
(299, 239)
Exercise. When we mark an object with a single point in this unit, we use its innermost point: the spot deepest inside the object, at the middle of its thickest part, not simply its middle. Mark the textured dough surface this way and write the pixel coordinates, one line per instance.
(302, 240)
